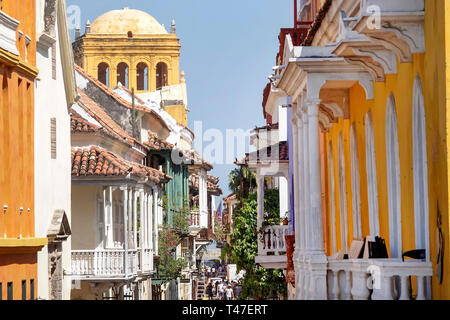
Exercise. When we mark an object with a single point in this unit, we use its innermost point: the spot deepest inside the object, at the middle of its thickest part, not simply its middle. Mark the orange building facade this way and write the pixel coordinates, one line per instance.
(18, 72)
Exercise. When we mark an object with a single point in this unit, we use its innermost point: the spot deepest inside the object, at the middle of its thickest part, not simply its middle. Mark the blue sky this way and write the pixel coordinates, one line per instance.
(228, 50)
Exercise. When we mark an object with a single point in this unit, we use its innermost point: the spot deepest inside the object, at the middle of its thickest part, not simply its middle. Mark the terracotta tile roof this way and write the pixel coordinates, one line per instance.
(78, 124)
(195, 159)
(116, 97)
(257, 155)
(213, 188)
(317, 23)
(155, 143)
(96, 161)
(230, 197)
(100, 115)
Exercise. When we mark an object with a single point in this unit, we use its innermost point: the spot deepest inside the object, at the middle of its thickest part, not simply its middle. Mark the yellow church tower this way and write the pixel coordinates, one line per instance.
(131, 48)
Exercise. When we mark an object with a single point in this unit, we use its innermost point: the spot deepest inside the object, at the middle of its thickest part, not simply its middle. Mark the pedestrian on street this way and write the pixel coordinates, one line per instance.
(229, 295)
(221, 291)
(209, 290)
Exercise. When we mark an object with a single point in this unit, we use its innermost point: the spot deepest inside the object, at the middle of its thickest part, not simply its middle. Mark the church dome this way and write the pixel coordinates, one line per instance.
(126, 20)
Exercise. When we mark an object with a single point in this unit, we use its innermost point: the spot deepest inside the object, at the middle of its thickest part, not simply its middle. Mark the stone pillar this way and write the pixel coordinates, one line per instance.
(317, 258)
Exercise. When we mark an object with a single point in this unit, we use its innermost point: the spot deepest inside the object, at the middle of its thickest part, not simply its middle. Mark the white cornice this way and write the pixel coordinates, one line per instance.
(8, 28)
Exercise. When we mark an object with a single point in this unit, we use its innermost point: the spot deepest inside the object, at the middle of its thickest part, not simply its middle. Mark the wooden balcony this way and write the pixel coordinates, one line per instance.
(272, 247)
(111, 264)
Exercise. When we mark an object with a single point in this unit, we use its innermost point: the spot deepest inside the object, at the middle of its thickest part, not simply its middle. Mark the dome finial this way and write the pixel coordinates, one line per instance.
(174, 27)
(88, 27)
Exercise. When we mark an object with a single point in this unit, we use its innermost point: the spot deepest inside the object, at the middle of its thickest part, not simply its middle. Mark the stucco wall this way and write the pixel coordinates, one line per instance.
(84, 217)
(52, 176)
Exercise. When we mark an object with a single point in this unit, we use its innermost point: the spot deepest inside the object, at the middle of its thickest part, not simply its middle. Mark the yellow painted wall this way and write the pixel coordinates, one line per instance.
(178, 113)
(433, 68)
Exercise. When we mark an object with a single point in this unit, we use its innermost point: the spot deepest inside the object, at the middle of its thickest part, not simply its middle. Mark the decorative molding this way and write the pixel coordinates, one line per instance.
(45, 41)
(8, 28)
(401, 27)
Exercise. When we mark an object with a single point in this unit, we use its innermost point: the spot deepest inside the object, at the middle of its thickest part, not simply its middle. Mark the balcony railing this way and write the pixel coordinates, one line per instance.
(388, 278)
(273, 242)
(145, 260)
(105, 263)
(195, 219)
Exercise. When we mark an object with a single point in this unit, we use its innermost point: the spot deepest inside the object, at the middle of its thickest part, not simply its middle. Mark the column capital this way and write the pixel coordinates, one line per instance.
(311, 101)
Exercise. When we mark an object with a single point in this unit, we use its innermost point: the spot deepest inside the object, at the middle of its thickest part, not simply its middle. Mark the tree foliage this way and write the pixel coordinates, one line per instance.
(170, 266)
(242, 178)
(258, 282)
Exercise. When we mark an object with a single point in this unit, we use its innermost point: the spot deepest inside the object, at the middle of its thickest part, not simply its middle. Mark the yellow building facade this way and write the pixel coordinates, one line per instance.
(410, 177)
(375, 85)
(130, 47)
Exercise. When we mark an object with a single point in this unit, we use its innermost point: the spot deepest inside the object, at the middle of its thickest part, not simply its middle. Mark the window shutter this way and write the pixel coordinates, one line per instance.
(53, 137)
(10, 291)
(32, 289)
(24, 289)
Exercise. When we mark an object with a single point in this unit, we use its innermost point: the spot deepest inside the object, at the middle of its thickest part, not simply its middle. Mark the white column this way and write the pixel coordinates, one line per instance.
(150, 221)
(142, 231)
(110, 240)
(130, 208)
(260, 216)
(125, 227)
(317, 258)
(203, 198)
(297, 193)
(156, 216)
(135, 196)
(315, 213)
(105, 217)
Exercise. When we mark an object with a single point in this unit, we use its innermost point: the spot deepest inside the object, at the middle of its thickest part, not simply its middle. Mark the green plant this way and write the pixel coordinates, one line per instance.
(170, 266)
(258, 282)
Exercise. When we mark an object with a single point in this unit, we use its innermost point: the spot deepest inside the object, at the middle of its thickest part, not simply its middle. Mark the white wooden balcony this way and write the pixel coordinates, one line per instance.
(194, 223)
(388, 278)
(272, 247)
(108, 264)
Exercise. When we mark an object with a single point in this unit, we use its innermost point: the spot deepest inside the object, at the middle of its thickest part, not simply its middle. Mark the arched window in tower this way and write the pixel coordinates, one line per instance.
(142, 77)
(161, 75)
(130, 34)
(122, 74)
(103, 73)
